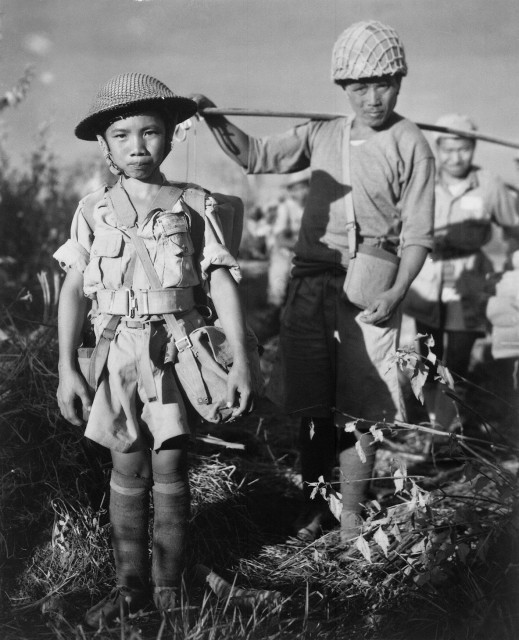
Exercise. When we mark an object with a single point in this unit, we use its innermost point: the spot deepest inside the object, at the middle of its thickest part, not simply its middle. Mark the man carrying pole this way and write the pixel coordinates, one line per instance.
(334, 357)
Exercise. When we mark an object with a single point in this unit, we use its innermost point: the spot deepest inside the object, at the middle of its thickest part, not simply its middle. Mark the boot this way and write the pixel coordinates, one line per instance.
(119, 604)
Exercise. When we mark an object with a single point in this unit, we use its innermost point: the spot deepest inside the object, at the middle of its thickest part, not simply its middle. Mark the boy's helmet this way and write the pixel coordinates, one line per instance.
(368, 50)
(126, 93)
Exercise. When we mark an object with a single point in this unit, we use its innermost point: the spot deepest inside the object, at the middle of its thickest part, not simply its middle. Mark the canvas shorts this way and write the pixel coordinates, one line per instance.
(123, 418)
(331, 363)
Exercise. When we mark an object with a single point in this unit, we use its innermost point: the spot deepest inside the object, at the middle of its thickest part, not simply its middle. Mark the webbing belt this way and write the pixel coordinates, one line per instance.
(144, 302)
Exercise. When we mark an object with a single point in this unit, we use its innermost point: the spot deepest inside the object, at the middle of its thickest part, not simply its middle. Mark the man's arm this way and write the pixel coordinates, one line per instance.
(71, 316)
(383, 307)
(233, 140)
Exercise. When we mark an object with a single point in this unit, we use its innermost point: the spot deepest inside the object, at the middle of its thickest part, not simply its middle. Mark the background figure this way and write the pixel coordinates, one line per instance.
(255, 237)
(285, 232)
(448, 297)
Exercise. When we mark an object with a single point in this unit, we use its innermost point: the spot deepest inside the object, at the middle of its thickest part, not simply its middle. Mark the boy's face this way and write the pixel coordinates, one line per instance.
(138, 144)
(373, 99)
(455, 156)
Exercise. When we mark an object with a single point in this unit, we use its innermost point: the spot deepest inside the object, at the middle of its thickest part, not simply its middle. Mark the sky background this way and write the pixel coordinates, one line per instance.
(463, 56)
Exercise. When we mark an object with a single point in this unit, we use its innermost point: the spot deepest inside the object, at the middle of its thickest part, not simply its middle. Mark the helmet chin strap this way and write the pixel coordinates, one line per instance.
(108, 157)
(110, 162)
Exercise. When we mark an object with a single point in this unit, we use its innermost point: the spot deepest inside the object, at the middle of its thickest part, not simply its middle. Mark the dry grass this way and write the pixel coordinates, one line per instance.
(439, 550)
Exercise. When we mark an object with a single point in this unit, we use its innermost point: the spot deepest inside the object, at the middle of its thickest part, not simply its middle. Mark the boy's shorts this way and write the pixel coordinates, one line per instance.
(123, 417)
(331, 363)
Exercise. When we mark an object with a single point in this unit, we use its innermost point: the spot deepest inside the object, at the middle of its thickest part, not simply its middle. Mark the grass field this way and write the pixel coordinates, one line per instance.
(438, 557)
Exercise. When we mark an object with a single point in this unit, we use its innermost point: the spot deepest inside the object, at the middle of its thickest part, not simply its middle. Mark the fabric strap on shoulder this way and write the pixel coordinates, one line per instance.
(89, 204)
(194, 198)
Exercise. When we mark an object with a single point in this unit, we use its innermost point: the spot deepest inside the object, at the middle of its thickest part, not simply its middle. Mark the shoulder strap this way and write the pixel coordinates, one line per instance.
(351, 224)
(194, 198)
(124, 210)
(89, 204)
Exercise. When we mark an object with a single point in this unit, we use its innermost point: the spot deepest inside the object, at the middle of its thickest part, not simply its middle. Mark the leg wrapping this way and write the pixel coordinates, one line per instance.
(355, 476)
(171, 503)
(129, 514)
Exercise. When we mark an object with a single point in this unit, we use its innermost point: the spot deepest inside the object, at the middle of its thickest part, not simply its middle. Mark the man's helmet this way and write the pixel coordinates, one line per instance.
(368, 50)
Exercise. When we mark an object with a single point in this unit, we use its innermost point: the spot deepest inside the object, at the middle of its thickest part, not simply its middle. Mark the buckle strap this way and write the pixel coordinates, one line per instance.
(144, 302)
(100, 353)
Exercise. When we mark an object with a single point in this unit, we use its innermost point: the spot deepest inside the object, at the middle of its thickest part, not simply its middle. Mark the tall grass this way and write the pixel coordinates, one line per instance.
(435, 559)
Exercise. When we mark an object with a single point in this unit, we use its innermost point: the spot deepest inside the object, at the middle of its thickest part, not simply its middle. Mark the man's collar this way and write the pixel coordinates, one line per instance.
(471, 180)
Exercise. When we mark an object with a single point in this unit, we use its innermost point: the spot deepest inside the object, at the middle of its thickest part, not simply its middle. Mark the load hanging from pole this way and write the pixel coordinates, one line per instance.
(310, 115)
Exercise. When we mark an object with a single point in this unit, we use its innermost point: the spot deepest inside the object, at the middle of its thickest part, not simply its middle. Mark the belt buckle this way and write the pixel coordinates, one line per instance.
(132, 303)
(185, 339)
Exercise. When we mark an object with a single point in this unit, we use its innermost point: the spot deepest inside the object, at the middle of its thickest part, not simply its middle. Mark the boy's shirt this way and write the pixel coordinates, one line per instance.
(392, 176)
(104, 258)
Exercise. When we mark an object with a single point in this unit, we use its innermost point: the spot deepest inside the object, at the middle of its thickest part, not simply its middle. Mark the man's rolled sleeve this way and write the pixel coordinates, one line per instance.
(417, 206)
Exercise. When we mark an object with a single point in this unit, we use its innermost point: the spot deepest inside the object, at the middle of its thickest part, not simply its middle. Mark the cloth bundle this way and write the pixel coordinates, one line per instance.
(503, 313)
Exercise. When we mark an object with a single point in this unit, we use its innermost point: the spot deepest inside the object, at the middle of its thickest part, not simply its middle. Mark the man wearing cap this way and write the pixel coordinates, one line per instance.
(449, 296)
(335, 368)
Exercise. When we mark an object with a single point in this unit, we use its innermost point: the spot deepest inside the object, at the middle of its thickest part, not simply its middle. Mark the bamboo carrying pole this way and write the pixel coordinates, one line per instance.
(309, 115)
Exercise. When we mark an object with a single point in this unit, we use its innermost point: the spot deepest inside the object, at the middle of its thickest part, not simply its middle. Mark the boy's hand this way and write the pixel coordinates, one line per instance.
(202, 101)
(72, 386)
(239, 389)
(381, 309)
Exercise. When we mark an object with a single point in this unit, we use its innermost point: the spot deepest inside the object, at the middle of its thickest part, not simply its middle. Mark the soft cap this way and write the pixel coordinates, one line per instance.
(454, 121)
(368, 49)
(127, 91)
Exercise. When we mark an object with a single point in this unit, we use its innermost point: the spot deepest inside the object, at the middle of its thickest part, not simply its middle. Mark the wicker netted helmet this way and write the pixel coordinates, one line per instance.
(125, 94)
(368, 50)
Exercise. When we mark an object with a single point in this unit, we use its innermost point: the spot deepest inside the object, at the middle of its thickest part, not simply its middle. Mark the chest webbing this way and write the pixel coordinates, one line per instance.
(193, 202)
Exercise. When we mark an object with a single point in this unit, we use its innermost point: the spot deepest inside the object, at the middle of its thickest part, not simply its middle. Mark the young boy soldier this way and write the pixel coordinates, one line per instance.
(137, 410)
(334, 357)
(449, 296)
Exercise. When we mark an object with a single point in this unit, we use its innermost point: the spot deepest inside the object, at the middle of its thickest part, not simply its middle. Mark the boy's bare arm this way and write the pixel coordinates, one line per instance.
(233, 140)
(71, 316)
(383, 307)
(224, 293)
